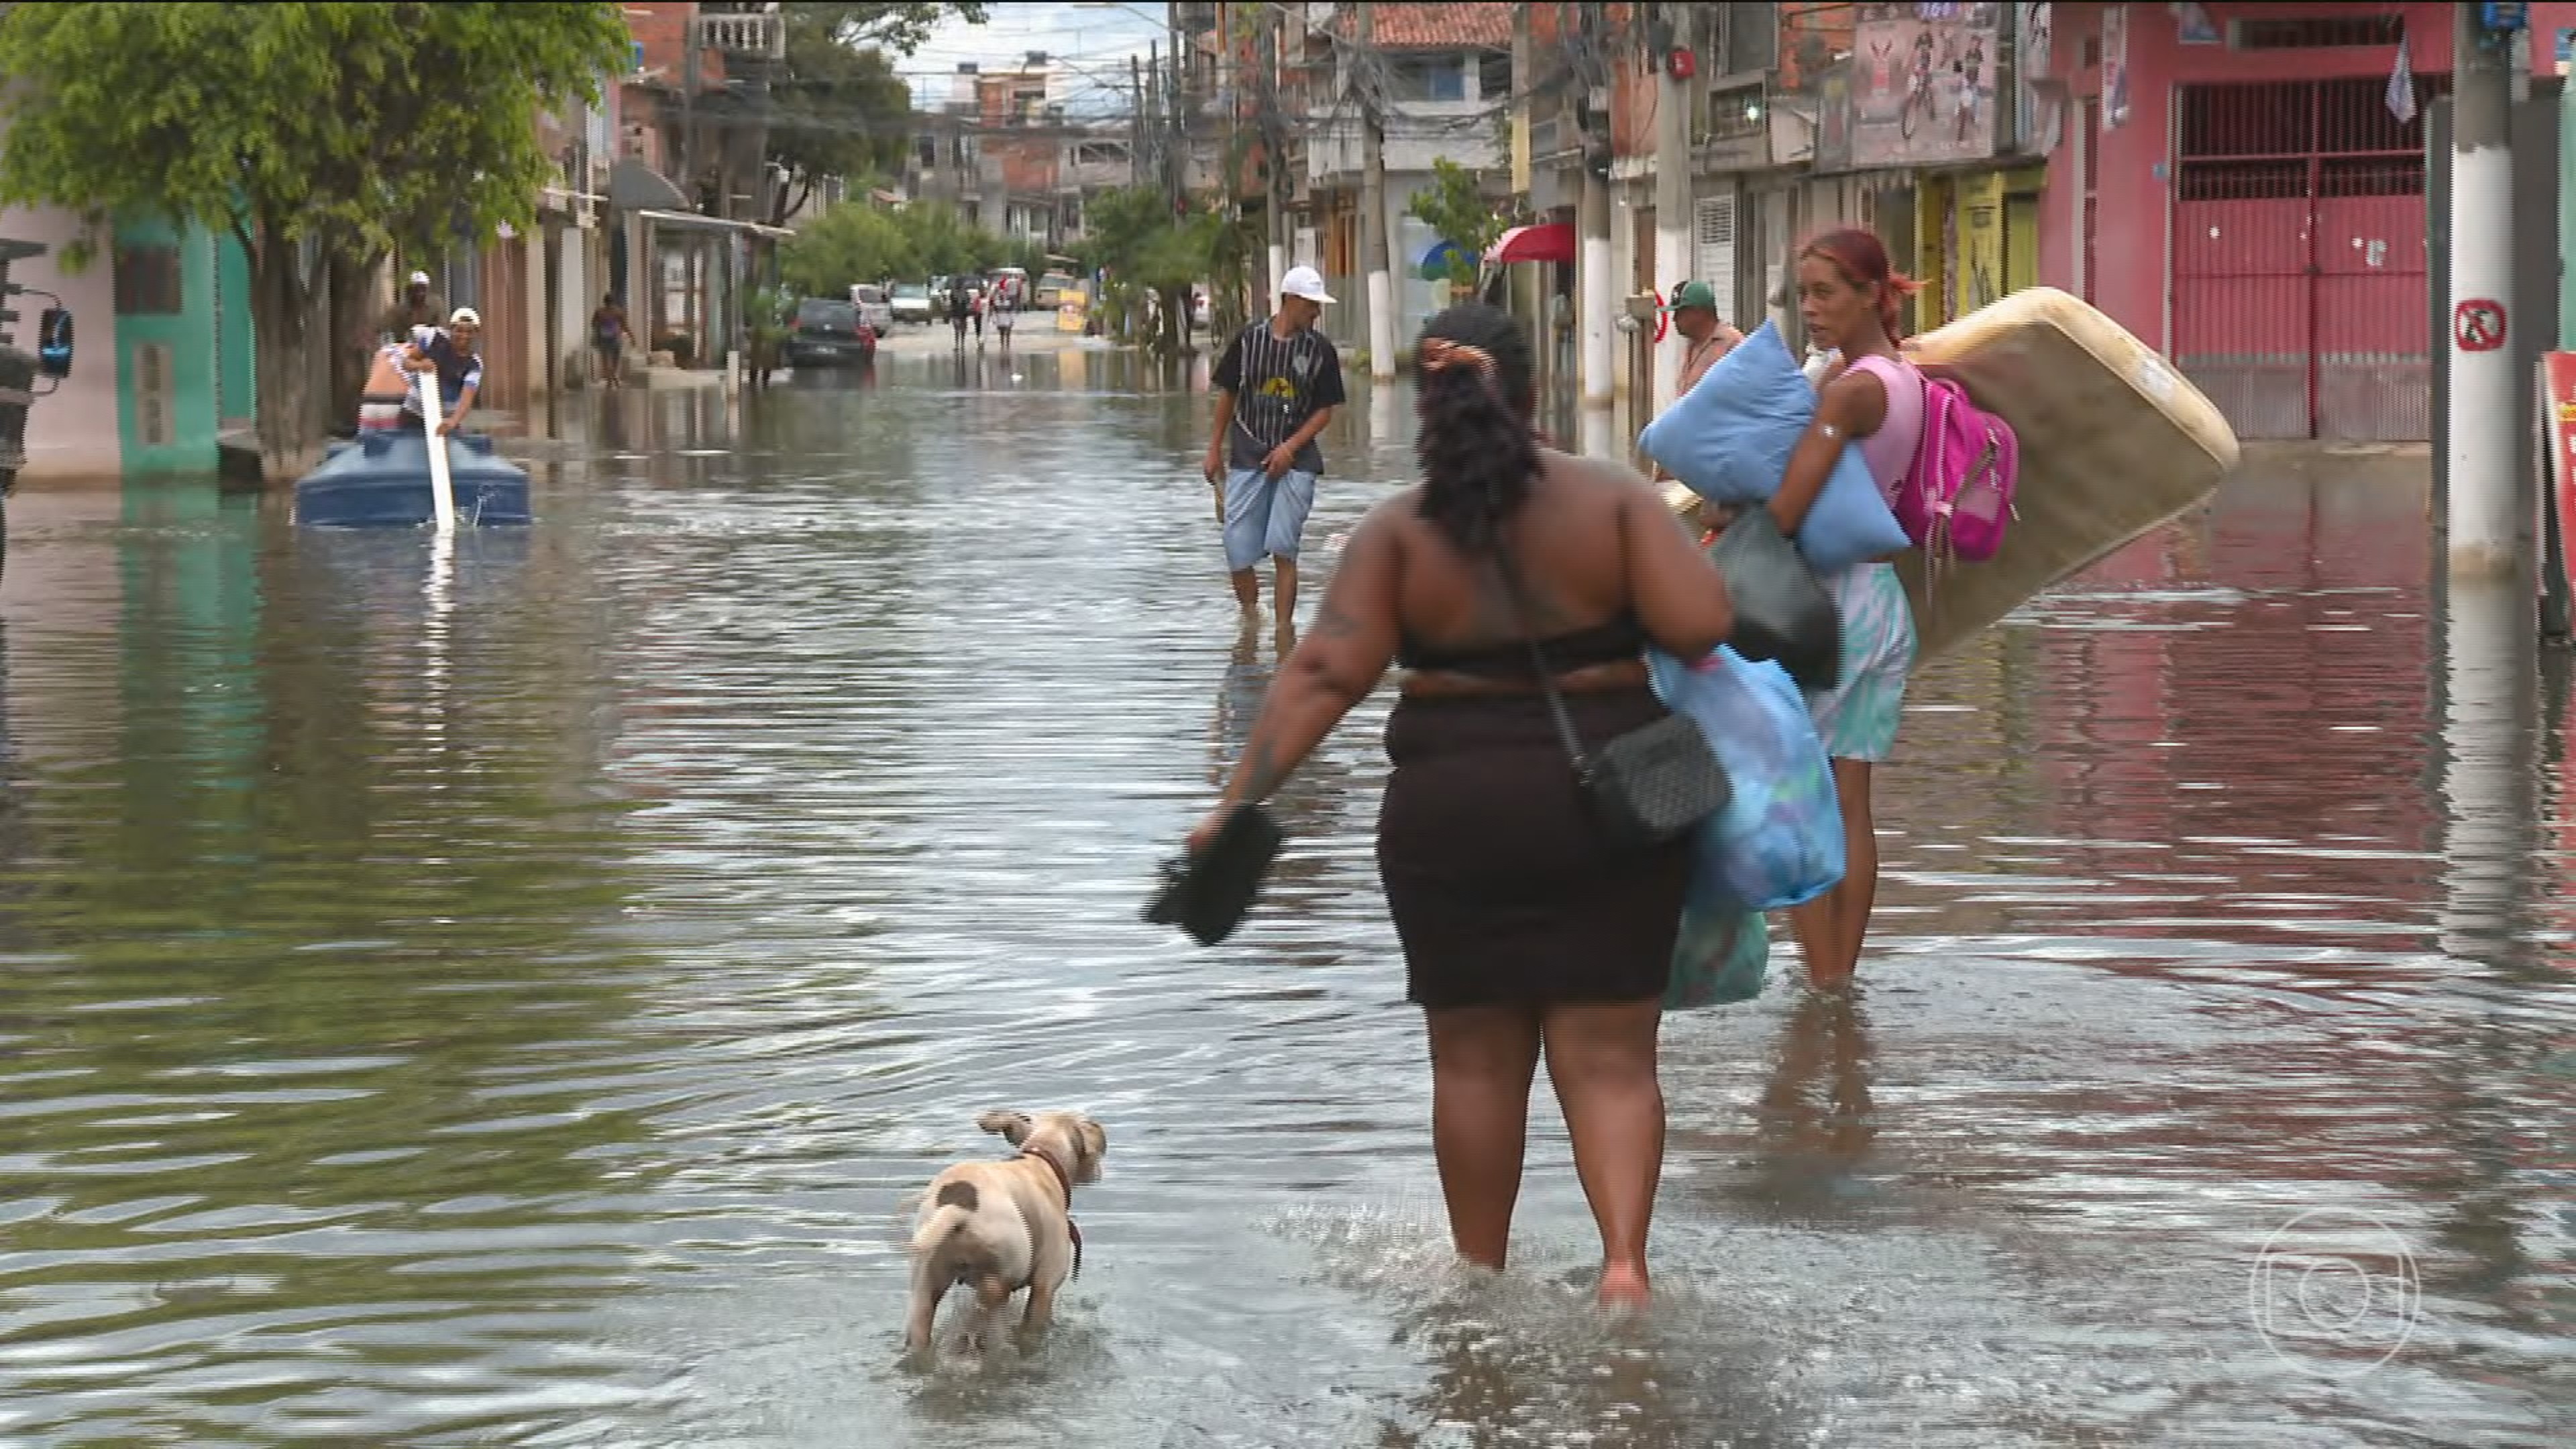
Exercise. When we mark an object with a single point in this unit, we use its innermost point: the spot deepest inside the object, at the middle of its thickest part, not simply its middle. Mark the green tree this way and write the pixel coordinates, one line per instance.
(316, 134)
(853, 242)
(1147, 248)
(838, 108)
(1455, 206)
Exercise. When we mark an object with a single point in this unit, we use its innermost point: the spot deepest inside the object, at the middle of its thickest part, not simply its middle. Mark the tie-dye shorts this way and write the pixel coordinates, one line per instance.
(1857, 717)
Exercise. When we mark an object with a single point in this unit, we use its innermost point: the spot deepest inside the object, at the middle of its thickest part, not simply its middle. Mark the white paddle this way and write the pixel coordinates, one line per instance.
(442, 499)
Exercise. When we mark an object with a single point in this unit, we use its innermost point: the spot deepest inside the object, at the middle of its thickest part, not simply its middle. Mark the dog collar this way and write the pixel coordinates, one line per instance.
(1063, 1180)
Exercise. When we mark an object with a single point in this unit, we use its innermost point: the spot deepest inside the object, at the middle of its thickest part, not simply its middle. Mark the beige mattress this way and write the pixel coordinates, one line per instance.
(2114, 441)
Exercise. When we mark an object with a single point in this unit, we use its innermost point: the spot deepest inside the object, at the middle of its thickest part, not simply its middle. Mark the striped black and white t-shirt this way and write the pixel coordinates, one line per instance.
(1277, 385)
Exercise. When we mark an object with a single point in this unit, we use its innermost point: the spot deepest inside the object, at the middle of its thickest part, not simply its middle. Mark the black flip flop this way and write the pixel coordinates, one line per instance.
(1207, 894)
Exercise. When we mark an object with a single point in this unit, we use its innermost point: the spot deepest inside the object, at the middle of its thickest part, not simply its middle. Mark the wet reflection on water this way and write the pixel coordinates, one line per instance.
(506, 1000)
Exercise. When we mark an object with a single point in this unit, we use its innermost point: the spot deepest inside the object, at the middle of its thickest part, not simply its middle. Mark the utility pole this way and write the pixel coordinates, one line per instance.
(1595, 300)
(1672, 189)
(1274, 134)
(1140, 161)
(1381, 285)
(2489, 510)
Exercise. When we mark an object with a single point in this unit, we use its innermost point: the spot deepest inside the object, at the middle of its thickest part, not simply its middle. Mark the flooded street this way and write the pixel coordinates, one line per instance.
(509, 1008)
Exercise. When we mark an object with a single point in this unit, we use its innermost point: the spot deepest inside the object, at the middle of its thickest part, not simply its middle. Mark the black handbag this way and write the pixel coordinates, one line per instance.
(1645, 787)
(1782, 612)
(1208, 893)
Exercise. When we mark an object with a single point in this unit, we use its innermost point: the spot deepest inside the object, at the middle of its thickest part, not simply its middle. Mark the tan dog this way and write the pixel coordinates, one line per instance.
(999, 1227)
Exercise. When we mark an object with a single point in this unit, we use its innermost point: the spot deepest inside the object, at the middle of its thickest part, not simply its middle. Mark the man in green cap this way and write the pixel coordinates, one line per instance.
(1706, 336)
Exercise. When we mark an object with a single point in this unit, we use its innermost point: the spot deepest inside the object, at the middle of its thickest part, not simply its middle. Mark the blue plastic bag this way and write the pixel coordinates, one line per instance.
(1722, 955)
(1779, 841)
(1729, 438)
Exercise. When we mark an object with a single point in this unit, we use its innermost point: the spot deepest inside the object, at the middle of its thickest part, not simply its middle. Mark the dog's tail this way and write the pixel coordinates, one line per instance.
(956, 1203)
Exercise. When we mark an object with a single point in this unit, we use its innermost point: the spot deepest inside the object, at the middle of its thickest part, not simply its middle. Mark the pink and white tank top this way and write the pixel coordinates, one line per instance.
(1889, 452)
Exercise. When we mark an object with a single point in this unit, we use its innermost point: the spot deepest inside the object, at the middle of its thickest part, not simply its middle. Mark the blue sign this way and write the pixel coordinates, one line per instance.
(2497, 15)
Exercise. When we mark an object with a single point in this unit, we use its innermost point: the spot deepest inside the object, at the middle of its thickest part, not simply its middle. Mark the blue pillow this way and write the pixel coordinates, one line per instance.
(1730, 437)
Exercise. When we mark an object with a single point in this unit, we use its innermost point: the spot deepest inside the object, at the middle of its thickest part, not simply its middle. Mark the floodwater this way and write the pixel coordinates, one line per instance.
(503, 999)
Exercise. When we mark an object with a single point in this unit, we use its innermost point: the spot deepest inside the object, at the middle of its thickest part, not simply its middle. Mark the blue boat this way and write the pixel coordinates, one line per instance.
(381, 480)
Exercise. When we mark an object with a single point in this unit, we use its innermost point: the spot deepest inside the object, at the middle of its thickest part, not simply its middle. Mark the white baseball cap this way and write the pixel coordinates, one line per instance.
(420, 279)
(464, 317)
(1305, 282)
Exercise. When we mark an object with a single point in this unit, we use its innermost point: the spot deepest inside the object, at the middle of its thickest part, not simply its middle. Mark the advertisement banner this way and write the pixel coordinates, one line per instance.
(1833, 119)
(2115, 67)
(1923, 84)
(2558, 445)
(2039, 97)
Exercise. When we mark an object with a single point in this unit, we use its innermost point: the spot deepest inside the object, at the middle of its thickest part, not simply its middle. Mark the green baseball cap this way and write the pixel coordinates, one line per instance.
(1694, 294)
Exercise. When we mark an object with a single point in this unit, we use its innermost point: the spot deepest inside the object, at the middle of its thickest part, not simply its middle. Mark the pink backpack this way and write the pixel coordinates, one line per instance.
(1957, 498)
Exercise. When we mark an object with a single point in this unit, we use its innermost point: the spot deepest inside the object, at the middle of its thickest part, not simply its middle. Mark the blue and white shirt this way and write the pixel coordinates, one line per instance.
(457, 369)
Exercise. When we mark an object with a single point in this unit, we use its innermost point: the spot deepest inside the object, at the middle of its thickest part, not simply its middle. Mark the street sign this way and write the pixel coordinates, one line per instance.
(2477, 325)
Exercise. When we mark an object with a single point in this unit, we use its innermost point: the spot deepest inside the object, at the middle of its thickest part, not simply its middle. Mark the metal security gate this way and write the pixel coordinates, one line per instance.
(2298, 257)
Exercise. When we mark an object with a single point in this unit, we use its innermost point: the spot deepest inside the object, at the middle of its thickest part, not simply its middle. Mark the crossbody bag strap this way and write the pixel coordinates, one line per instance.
(1574, 751)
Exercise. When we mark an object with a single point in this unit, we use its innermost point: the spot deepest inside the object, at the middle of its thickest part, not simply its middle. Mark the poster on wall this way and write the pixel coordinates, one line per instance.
(1923, 84)
(1833, 119)
(2115, 67)
(2039, 94)
(1977, 265)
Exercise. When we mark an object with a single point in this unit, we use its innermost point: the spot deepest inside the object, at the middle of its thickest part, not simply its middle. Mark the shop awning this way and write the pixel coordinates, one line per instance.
(687, 219)
(634, 186)
(1551, 243)
(1433, 264)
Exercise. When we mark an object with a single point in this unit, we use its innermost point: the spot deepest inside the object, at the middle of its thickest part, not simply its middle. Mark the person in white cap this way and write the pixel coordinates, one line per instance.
(1277, 386)
(417, 309)
(450, 349)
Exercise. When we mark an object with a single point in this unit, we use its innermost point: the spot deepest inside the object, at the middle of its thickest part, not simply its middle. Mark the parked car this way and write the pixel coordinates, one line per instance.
(1051, 289)
(910, 302)
(874, 309)
(829, 334)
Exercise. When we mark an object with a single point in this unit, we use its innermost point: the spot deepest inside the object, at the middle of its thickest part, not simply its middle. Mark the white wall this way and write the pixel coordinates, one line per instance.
(71, 433)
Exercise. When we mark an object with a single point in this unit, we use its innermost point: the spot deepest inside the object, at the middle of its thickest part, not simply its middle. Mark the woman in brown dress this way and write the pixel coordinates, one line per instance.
(1525, 931)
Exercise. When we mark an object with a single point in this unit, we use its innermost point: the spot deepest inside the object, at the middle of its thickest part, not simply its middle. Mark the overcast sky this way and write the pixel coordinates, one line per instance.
(1091, 41)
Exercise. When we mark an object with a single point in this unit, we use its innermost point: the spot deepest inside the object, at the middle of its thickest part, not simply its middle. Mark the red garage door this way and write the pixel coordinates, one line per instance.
(2298, 258)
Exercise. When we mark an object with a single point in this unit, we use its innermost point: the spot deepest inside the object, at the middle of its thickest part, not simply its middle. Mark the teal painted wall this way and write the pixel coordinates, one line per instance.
(183, 441)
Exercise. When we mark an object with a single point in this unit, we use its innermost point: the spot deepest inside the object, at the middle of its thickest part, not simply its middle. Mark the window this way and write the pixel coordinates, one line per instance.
(927, 148)
(1428, 78)
(147, 281)
(1494, 75)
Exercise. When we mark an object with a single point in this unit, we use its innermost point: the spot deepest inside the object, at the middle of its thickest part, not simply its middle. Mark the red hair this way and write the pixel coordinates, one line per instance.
(1861, 257)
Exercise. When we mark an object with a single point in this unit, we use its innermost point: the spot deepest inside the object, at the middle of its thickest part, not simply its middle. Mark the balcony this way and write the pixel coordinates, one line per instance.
(747, 34)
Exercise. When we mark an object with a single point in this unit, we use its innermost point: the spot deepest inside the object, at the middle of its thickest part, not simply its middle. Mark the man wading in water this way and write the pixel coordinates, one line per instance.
(1277, 386)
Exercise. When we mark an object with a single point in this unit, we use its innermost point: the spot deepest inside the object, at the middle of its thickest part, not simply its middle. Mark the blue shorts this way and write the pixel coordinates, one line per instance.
(1264, 515)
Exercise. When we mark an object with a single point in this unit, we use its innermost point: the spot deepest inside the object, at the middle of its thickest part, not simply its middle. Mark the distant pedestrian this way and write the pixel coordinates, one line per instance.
(1277, 386)
(609, 335)
(1705, 337)
(1003, 321)
(958, 304)
(417, 307)
(983, 301)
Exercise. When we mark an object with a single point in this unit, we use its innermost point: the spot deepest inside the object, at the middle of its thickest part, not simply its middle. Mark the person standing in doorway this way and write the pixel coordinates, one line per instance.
(1277, 386)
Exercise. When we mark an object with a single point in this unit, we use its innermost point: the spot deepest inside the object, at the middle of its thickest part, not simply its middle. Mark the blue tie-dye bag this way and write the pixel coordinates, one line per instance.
(1779, 841)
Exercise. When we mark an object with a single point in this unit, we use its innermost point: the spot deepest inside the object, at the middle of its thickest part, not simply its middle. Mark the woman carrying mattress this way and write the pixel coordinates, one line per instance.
(1849, 297)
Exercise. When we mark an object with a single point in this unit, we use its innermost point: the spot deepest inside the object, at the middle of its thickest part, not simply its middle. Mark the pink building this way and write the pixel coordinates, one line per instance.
(2236, 187)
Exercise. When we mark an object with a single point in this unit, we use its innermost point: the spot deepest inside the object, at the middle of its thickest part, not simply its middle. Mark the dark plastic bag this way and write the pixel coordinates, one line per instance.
(1782, 612)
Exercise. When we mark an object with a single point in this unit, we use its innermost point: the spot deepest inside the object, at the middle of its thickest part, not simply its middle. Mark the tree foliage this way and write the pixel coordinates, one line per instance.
(1454, 205)
(838, 108)
(1146, 246)
(349, 127)
(858, 242)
